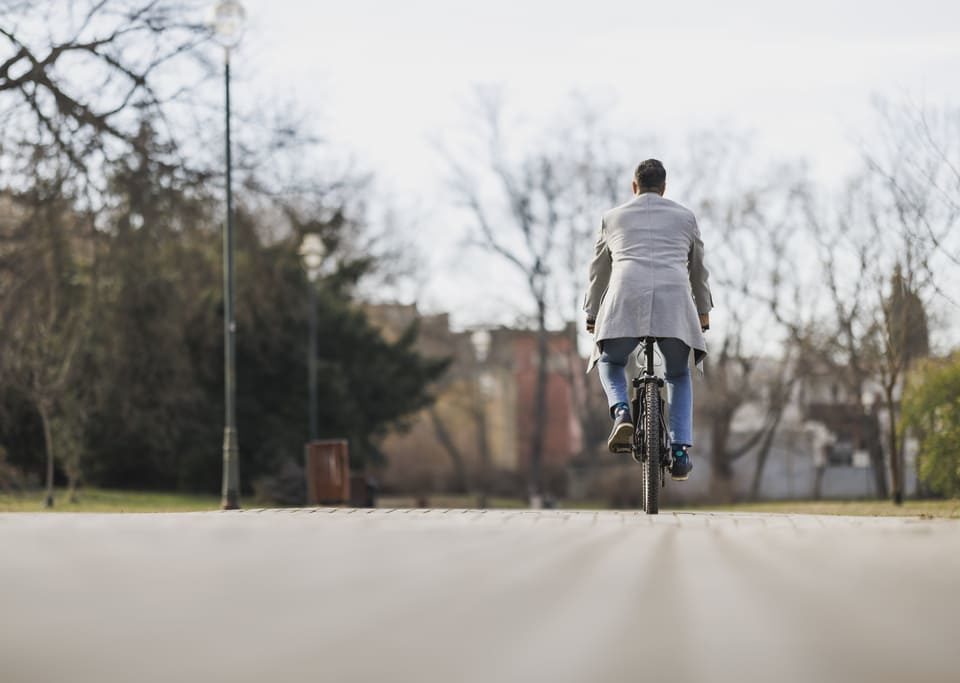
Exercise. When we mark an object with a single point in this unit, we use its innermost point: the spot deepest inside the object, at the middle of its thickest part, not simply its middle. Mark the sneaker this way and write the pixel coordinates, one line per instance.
(680, 470)
(621, 436)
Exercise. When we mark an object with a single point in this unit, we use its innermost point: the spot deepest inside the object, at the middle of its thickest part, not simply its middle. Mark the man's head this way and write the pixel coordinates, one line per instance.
(650, 176)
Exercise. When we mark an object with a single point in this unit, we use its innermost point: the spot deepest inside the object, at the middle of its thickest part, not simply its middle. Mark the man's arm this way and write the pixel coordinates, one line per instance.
(600, 268)
(699, 276)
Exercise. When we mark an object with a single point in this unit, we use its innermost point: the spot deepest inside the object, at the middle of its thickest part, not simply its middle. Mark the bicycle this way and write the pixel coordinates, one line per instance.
(651, 444)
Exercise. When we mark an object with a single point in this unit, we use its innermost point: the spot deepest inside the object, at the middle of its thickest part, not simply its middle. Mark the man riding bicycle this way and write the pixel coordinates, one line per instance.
(648, 279)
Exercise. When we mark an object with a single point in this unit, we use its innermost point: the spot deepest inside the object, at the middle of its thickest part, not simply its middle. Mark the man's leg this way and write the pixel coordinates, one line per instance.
(676, 355)
(612, 367)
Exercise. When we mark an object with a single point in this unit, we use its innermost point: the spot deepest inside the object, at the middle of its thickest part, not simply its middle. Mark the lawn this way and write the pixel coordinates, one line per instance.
(883, 508)
(103, 500)
(912, 508)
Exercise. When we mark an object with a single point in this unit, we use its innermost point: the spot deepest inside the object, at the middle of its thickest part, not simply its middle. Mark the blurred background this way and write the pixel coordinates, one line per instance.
(415, 192)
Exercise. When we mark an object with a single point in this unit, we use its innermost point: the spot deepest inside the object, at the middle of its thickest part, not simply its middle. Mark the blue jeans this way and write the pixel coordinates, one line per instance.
(614, 354)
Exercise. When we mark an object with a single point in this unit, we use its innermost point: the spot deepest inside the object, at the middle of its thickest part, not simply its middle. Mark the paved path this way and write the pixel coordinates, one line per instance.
(464, 596)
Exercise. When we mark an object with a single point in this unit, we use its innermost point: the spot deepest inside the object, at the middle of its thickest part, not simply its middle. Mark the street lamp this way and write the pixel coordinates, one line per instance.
(480, 340)
(484, 385)
(228, 21)
(313, 251)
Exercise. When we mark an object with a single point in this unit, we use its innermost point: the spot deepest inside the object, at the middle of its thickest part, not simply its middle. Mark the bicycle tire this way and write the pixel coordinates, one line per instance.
(651, 450)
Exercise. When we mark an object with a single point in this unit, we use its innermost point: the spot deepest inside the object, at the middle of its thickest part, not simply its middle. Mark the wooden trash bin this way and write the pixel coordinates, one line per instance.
(328, 472)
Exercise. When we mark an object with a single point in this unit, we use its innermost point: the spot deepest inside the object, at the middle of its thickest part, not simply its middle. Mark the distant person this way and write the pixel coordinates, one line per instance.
(647, 279)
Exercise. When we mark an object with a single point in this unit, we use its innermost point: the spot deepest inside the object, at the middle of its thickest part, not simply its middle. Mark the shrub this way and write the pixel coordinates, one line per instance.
(286, 486)
(931, 410)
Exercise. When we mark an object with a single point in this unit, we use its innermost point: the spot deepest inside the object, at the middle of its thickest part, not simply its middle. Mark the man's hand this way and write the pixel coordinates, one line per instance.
(704, 321)
(591, 324)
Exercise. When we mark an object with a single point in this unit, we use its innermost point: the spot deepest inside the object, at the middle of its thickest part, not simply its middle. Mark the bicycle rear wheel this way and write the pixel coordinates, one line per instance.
(651, 450)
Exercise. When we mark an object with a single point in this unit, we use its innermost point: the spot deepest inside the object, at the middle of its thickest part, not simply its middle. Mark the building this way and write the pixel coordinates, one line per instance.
(480, 432)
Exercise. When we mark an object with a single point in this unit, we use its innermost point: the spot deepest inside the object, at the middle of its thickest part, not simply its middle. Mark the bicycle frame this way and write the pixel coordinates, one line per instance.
(648, 381)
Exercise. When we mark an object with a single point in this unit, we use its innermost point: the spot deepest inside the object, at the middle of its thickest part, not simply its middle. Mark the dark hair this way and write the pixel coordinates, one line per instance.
(650, 174)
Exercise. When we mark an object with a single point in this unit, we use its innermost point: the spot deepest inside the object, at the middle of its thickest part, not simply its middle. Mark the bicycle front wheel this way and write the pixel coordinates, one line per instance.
(651, 450)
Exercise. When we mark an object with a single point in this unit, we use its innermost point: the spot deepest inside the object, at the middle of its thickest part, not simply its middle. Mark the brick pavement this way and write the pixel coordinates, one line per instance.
(465, 595)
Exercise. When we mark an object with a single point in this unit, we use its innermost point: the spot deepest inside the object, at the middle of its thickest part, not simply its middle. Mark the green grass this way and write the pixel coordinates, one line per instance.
(914, 508)
(102, 500)
(949, 509)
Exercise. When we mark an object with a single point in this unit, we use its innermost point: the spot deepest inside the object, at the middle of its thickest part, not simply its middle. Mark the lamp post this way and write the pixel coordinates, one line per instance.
(483, 390)
(228, 21)
(312, 251)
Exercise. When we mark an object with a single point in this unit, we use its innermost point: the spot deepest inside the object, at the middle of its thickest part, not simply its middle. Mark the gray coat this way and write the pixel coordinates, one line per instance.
(647, 277)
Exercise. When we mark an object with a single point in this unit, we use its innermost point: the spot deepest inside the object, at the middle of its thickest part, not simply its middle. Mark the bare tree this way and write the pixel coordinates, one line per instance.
(913, 212)
(77, 79)
(913, 155)
(842, 340)
(44, 321)
(445, 438)
(72, 74)
(883, 251)
(750, 228)
(518, 224)
(595, 180)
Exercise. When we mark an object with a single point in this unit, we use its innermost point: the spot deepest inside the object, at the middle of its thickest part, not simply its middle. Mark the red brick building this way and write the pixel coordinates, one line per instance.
(482, 423)
(563, 438)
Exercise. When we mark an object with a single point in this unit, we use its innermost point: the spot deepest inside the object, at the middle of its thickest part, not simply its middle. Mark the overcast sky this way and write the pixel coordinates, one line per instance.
(384, 77)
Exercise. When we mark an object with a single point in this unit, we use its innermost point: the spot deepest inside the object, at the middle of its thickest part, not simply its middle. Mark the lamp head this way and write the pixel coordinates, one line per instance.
(481, 344)
(229, 20)
(313, 252)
